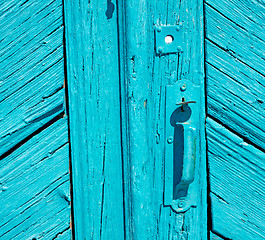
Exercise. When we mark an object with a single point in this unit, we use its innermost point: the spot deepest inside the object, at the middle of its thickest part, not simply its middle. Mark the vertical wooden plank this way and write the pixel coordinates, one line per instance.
(94, 112)
(143, 79)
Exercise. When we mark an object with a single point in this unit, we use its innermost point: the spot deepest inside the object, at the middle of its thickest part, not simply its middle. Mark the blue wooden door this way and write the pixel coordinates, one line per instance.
(119, 113)
(103, 108)
(235, 81)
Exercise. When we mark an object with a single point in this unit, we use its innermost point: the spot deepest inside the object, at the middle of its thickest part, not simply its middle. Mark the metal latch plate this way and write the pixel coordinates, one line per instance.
(186, 114)
(169, 39)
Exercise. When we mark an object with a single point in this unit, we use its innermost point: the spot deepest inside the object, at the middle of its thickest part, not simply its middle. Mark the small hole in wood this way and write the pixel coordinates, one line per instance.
(169, 39)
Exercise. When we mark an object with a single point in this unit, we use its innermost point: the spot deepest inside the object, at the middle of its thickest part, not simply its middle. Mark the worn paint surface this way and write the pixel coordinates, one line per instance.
(31, 53)
(34, 195)
(237, 173)
(117, 117)
(235, 69)
(235, 77)
(34, 149)
(94, 111)
(144, 79)
(116, 86)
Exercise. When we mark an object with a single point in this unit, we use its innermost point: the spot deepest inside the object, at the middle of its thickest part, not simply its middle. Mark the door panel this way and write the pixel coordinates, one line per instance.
(233, 92)
(34, 149)
(143, 95)
(235, 84)
(237, 27)
(116, 84)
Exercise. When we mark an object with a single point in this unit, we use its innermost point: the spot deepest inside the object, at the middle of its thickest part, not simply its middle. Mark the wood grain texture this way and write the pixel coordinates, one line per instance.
(236, 67)
(237, 173)
(65, 235)
(34, 187)
(214, 236)
(94, 111)
(143, 79)
(31, 63)
(237, 27)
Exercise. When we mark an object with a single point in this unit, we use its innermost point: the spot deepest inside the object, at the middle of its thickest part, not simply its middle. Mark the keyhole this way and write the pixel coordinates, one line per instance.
(182, 106)
(169, 39)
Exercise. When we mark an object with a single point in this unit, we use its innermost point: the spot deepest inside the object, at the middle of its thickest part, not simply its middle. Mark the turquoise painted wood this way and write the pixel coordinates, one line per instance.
(116, 87)
(214, 236)
(31, 53)
(94, 111)
(235, 77)
(35, 200)
(34, 147)
(237, 173)
(230, 51)
(143, 82)
(101, 60)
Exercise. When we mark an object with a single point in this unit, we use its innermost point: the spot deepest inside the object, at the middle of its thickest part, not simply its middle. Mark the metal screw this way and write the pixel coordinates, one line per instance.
(183, 87)
(160, 50)
(179, 48)
(177, 28)
(181, 204)
(159, 29)
(170, 140)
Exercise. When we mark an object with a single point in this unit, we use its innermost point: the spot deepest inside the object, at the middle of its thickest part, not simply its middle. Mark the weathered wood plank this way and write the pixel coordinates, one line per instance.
(237, 173)
(246, 14)
(32, 71)
(94, 111)
(236, 66)
(34, 186)
(242, 34)
(143, 77)
(233, 92)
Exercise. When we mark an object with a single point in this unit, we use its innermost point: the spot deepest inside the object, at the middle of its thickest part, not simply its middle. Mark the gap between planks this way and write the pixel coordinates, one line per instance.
(45, 126)
(235, 133)
(72, 225)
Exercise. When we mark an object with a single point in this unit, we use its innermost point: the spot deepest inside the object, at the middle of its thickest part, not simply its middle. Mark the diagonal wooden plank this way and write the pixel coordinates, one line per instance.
(237, 173)
(32, 68)
(235, 63)
(235, 94)
(34, 186)
(246, 14)
(241, 35)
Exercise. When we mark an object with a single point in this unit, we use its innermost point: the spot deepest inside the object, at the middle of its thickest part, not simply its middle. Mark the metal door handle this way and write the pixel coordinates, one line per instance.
(181, 150)
(189, 160)
(189, 154)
